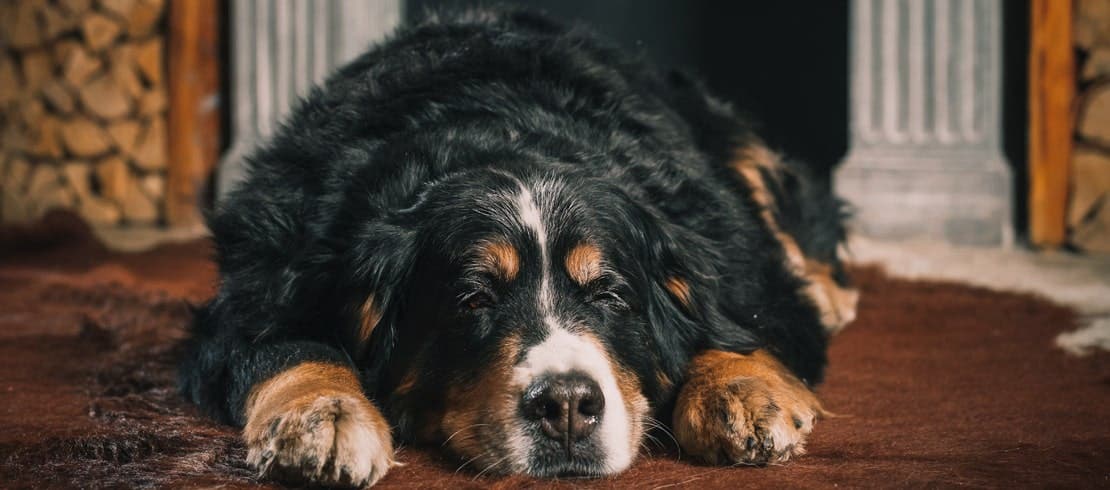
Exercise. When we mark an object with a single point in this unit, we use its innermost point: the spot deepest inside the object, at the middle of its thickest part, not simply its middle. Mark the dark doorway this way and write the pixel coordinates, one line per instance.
(784, 63)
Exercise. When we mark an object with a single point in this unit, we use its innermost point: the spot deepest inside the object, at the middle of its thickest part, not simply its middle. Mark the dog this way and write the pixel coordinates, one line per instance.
(501, 235)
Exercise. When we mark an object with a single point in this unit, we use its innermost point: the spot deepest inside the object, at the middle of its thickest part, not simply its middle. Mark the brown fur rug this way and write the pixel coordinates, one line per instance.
(936, 384)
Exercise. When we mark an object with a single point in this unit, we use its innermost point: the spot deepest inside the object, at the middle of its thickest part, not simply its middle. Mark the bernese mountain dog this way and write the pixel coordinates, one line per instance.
(501, 235)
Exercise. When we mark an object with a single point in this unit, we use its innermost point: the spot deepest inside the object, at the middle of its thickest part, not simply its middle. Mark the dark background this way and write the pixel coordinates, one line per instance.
(785, 63)
(788, 71)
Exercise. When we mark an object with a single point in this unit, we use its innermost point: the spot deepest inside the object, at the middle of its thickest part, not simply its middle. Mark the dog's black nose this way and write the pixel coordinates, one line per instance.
(568, 406)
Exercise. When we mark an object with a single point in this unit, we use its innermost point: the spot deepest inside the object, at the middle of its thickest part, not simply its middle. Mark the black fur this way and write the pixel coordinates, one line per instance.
(383, 177)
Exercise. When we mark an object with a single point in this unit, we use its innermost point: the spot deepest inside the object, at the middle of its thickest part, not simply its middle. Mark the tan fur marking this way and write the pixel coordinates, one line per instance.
(584, 263)
(680, 289)
(408, 382)
(500, 259)
(726, 412)
(664, 381)
(475, 412)
(313, 423)
(837, 305)
(369, 316)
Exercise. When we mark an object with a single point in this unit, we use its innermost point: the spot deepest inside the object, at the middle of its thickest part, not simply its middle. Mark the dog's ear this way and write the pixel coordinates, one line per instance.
(378, 263)
(680, 271)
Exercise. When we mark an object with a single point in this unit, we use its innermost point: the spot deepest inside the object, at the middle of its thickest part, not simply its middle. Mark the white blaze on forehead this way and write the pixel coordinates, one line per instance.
(532, 218)
(563, 352)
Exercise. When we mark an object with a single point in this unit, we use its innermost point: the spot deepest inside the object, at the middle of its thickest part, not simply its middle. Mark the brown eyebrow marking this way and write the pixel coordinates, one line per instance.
(583, 263)
(499, 258)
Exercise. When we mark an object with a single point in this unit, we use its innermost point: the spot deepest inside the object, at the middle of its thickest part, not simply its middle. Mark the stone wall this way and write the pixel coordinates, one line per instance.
(83, 110)
(1089, 207)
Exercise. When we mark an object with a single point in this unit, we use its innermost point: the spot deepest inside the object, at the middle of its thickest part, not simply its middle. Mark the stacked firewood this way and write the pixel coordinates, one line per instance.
(83, 110)
(1089, 210)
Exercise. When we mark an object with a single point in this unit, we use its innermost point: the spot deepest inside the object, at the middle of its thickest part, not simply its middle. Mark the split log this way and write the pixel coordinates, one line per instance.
(123, 70)
(152, 103)
(22, 26)
(59, 98)
(75, 7)
(104, 98)
(154, 186)
(1090, 184)
(144, 17)
(55, 23)
(38, 69)
(112, 174)
(137, 207)
(79, 66)
(99, 31)
(1094, 116)
(9, 81)
(1094, 234)
(148, 57)
(1097, 64)
(18, 172)
(31, 111)
(77, 177)
(150, 153)
(121, 9)
(1092, 23)
(62, 50)
(125, 135)
(43, 178)
(45, 140)
(84, 138)
(98, 211)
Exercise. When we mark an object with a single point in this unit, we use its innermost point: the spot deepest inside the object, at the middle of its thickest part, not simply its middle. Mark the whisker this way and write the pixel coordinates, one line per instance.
(460, 430)
(655, 424)
(471, 460)
(490, 467)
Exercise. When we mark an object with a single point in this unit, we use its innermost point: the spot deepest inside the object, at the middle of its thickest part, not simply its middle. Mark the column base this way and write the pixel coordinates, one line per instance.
(965, 202)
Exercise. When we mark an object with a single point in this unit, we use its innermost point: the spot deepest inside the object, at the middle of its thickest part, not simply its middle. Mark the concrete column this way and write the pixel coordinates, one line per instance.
(925, 157)
(279, 50)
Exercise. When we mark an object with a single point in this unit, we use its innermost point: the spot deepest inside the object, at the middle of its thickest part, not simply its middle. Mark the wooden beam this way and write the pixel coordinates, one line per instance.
(1051, 119)
(194, 112)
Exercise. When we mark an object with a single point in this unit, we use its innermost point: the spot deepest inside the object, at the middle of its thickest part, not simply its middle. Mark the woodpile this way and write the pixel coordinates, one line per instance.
(1089, 206)
(83, 110)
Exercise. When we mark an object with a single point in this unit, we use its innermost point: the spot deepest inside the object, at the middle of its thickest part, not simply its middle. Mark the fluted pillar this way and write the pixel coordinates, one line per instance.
(282, 48)
(925, 158)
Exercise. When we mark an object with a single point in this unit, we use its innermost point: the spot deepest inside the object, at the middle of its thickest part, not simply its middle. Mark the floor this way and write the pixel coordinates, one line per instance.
(936, 384)
(1079, 281)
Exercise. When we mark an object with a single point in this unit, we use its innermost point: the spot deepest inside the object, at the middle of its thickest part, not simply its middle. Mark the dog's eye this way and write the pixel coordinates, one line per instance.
(478, 301)
(609, 298)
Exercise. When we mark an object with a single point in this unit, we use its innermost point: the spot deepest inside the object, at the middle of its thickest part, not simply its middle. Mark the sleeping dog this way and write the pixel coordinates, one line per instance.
(504, 236)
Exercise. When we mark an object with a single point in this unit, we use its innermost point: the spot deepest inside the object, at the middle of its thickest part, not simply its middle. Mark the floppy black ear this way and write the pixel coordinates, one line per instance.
(681, 273)
(376, 266)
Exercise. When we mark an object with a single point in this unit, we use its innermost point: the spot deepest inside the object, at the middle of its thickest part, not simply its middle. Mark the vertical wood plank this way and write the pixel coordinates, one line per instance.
(1051, 119)
(194, 113)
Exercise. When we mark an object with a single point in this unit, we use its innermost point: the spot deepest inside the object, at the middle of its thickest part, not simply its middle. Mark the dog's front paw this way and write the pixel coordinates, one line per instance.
(331, 440)
(312, 424)
(743, 409)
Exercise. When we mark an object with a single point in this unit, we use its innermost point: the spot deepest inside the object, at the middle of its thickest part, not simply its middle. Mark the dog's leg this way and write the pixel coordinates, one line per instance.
(737, 408)
(312, 423)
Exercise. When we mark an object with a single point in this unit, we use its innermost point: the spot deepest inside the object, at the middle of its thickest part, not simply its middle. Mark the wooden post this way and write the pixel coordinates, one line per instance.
(194, 112)
(1051, 116)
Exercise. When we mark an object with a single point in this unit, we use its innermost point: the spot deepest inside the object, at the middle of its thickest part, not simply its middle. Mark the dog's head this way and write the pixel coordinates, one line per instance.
(529, 323)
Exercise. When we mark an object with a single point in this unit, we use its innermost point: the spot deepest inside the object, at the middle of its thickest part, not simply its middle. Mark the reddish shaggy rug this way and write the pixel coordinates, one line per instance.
(936, 384)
